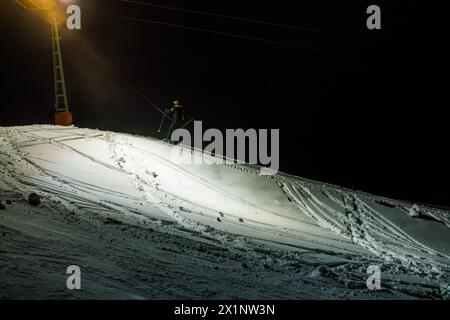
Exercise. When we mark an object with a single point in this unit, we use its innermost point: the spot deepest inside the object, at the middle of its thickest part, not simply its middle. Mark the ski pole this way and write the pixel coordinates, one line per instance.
(186, 124)
(162, 122)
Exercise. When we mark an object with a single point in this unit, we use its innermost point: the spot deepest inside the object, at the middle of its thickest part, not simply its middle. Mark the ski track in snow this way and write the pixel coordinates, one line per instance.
(224, 230)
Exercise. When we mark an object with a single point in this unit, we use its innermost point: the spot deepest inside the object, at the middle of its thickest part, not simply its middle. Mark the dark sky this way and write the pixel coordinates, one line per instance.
(369, 111)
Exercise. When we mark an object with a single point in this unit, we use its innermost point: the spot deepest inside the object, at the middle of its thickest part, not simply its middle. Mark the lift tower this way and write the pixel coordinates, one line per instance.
(50, 8)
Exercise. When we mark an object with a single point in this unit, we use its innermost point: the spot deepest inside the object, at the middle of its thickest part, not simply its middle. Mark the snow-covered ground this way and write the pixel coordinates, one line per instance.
(141, 227)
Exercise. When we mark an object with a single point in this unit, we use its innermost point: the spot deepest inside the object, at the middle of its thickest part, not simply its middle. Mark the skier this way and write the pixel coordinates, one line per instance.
(177, 113)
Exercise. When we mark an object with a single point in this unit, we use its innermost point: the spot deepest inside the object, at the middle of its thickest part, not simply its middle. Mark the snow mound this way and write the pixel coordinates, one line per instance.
(88, 169)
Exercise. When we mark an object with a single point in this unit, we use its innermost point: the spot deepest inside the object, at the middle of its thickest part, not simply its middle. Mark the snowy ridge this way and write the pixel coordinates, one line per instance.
(119, 178)
(349, 215)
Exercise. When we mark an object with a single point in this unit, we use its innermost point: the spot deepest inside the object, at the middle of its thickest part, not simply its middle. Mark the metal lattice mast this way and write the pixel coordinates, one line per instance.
(61, 103)
(50, 9)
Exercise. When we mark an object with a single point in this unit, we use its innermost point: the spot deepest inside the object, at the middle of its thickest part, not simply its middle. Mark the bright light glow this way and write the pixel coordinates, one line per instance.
(47, 7)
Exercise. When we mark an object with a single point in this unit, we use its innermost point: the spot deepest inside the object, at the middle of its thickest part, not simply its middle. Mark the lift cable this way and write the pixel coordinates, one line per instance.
(217, 32)
(126, 82)
(225, 16)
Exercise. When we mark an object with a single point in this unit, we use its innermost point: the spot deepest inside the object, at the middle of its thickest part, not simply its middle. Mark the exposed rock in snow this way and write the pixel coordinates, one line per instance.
(34, 199)
(322, 270)
(415, 211)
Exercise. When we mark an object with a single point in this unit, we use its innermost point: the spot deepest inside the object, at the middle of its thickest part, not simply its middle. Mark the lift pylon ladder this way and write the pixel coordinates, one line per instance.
(63, 116)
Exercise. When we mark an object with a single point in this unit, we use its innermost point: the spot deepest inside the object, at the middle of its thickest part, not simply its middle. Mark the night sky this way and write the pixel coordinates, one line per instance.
(367, 110)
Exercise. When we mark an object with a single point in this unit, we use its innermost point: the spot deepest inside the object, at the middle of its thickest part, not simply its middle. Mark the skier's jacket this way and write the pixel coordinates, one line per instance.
(177, 113)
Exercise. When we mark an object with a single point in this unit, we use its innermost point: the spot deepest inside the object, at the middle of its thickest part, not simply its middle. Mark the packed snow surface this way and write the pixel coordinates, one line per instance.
(142, 227)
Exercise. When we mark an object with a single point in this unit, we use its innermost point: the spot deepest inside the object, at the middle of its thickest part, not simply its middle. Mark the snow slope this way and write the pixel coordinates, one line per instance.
(221, 231)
